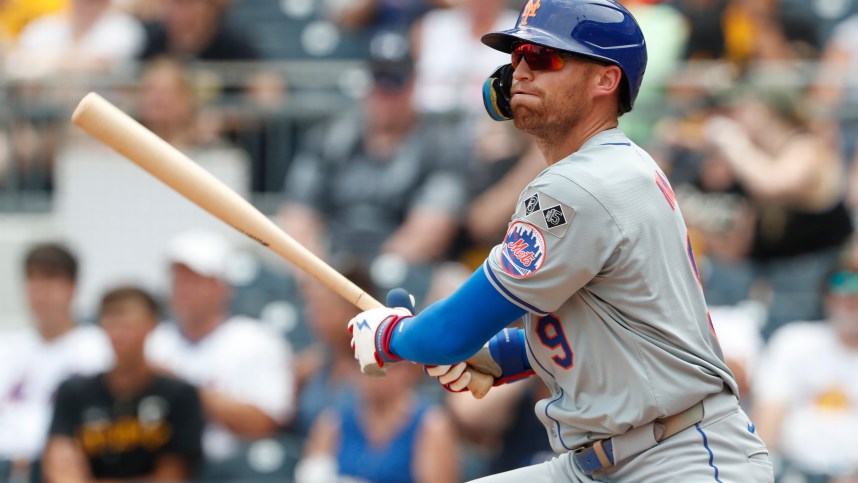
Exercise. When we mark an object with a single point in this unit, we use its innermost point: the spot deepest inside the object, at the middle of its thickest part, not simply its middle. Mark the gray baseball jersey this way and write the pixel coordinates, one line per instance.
(617, 326)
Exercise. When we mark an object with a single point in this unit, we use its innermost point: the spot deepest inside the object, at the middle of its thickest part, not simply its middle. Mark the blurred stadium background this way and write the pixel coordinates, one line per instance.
(311, 64)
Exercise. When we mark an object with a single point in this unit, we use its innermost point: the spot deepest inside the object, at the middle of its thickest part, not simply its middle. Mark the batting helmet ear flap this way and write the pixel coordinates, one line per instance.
(496, 93)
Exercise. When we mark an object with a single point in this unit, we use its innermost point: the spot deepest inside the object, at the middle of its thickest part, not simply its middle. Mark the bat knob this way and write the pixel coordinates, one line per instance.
(399, 297)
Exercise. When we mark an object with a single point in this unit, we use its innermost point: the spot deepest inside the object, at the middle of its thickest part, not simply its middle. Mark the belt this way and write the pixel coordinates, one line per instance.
(601, 454)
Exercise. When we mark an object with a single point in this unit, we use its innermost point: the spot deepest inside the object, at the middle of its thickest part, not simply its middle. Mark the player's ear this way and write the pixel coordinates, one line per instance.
(608, 79)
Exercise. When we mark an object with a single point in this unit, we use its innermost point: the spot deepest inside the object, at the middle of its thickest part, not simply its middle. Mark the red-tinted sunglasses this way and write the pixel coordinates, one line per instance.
(538, 57)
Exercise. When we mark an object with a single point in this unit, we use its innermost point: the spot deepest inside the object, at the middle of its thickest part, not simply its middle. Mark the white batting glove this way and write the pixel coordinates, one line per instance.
(371, 332)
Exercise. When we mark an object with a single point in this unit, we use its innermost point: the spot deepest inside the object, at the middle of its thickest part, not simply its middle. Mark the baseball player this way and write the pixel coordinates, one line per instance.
(596, 261)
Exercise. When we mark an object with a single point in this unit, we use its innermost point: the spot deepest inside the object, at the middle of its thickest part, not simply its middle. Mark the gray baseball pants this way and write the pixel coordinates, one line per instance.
(722, 448)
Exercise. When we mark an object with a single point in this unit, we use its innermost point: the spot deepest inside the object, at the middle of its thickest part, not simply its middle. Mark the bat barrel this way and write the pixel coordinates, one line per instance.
(114, 128)
(111, 126)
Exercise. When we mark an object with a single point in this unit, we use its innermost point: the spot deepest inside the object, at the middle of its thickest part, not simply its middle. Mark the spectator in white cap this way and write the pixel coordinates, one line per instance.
(242, 370)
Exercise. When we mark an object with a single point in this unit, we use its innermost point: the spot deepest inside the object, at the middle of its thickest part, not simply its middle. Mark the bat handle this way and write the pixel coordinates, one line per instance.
(480, 383)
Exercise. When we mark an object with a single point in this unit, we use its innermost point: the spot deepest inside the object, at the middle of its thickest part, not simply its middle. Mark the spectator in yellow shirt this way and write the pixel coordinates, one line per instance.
(16, 14)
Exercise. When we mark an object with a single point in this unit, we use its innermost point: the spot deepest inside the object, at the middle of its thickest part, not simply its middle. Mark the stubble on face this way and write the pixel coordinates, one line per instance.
(559, 108)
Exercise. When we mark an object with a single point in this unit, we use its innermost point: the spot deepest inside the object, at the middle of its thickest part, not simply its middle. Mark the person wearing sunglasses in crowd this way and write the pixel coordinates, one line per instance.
(597, 263)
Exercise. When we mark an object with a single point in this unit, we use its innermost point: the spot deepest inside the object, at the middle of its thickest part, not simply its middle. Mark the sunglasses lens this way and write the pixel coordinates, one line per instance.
(537, 57)
(844, 283)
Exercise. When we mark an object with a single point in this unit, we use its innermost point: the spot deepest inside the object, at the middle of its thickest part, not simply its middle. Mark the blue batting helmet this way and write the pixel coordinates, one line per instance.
(599, 29)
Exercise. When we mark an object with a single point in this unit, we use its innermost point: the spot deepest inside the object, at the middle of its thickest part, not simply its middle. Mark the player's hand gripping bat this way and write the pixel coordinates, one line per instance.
(114, 128)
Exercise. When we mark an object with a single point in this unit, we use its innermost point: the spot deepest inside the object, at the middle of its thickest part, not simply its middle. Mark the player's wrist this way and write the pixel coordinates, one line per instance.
(507, 349)
(384, 335)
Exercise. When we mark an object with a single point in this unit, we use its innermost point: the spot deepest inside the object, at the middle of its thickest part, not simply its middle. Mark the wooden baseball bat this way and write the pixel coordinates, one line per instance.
(114, 128)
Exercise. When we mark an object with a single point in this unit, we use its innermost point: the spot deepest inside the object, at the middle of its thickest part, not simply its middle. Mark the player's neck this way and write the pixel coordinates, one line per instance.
(556, 149)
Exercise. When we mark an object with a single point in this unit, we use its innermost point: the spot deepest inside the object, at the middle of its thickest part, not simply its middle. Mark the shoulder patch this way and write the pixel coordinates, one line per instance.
(531, 204)
(523, 251)
(554, 216)
(546, 213)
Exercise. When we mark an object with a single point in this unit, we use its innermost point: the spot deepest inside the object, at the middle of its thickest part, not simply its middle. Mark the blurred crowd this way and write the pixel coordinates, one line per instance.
(364, 120)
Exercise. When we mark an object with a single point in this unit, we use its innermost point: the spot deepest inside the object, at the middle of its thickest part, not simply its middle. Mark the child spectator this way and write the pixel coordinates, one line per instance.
(35, 360)
(127, 423)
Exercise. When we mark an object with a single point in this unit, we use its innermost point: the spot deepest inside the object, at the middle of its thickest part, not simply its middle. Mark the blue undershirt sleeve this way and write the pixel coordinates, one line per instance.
(455, 328)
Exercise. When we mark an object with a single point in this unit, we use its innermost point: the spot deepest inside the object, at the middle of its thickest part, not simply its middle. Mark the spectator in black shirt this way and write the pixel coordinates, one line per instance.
(127, 423)
(194, 30)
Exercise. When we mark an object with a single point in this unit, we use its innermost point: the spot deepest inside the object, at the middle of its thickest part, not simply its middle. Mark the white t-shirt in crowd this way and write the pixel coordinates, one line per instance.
(48, 42)
(242, 359)
(807, 368)
(453, 64)
(31, 369)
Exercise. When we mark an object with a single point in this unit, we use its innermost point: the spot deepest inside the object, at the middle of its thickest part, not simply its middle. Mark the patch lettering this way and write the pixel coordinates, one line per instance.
(523, 251)
(531, 204)
(554, 216)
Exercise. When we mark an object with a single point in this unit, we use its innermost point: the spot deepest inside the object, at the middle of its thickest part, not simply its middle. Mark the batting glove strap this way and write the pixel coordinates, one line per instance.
(508, 350)
(383, 334)
(516, 377)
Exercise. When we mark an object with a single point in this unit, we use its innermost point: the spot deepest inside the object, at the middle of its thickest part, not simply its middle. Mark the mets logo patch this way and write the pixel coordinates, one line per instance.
(523, 251)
